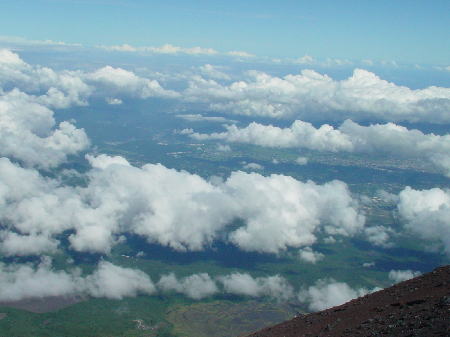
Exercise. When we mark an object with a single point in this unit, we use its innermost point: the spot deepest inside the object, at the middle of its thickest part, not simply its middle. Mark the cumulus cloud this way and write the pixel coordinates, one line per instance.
(196, 286)
(199, 286)
(62, 89)
(51, 88)
(301, 160)
(22, 281)
(426, 214)
(311, 95)
(300, 134)
(113, 101)
(308, 255)
(379, 235)
(306, 59)
(325, 294)
(213, 72)
(253, 167)
(116, 282)
(402, 275)
(120, 81)
(13, 244)
(298, 210)
(244, 284)
(387, 138)
(28, 133)
(120, 198)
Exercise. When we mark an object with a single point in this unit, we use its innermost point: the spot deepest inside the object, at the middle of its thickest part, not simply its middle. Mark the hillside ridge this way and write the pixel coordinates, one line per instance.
(417, 307)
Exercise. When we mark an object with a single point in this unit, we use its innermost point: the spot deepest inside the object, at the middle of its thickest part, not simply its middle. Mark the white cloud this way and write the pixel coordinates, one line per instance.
(308, 255)
(62, 89)
(244, 284)
(253, 167)
(335, 62)
(53, 89)
(311, 95)
(119, 198)
(10, 59)
(175, 50)
(301, 160)
(122, 48)
(387, 138)
(164, 49)
(119, 81)
(329, 240)
(103, 161)
(196, 286)
(213, 72)
(329, 293)
(368, 264)
(238, 53)
(113, 101)
(402, 275)
(23, 281)
(13, 244)
(379, 235)
(201, 118)
(300, 134)
(116, 282)
(306, 59)
(28, 133)
(297, 211)
(426, 213)
(223, 148)
(15, 41)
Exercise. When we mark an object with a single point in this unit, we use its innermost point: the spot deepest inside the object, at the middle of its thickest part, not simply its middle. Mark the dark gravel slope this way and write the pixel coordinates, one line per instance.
(417, 307)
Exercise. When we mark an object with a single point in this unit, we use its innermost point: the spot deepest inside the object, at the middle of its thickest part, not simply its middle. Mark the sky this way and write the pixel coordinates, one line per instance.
(402, 31)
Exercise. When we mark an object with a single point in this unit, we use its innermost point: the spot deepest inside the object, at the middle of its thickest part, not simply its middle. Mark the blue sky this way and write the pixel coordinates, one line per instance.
(404, 31)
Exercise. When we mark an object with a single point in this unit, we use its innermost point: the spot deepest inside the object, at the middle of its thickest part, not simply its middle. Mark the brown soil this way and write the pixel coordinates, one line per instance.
(417, 307)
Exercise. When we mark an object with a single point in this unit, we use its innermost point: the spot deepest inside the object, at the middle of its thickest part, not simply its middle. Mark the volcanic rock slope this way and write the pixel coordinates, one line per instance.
(417, 307)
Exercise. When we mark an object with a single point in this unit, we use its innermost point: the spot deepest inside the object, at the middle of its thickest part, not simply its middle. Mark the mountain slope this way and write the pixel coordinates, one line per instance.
(417, 307)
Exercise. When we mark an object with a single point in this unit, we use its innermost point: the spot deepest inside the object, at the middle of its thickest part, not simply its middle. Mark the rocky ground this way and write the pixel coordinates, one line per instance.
(417, 307)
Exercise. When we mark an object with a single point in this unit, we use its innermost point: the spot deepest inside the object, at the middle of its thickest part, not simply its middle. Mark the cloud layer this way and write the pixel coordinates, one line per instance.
(313, 96)
(62, 89)
(120, 198)
(307, 96)
(387, 138)
(329, 293)
(243, 284)
(426, 214)
(22, 281)
(28, 133)
(402, 275)
(26, 281)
